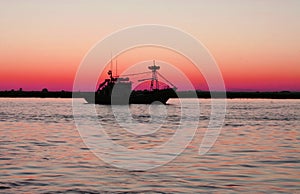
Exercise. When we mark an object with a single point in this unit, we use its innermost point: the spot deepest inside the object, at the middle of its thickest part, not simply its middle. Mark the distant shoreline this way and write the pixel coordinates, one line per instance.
(183, 94)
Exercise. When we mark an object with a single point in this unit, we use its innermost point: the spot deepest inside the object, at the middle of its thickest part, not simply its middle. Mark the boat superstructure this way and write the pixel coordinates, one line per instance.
(118, 90)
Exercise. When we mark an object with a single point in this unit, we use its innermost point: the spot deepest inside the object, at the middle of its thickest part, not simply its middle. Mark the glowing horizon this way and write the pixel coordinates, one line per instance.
(255, 43)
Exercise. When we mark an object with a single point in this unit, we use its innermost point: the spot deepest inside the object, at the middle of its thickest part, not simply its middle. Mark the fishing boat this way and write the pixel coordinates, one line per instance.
(118, 90)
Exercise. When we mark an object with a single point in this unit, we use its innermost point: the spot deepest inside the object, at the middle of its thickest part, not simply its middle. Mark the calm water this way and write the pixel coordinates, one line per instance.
(257, 150)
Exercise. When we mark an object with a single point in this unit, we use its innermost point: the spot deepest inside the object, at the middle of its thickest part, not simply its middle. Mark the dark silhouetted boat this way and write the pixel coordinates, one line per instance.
(118, 90)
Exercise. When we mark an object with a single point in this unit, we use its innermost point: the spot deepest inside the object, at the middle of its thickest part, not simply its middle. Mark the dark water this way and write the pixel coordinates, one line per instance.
(257, 151)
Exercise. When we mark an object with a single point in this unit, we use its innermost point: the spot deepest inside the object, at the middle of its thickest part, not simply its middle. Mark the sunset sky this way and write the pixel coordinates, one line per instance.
(256, 43)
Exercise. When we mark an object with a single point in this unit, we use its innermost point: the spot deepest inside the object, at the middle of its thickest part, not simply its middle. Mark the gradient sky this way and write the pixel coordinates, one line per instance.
(256, 43)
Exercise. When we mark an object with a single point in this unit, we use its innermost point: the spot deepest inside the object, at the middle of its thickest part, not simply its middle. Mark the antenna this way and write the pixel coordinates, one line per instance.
(111, 65)
(116, 67)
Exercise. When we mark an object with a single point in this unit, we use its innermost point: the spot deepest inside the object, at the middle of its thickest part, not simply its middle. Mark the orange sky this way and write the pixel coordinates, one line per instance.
(255, 43)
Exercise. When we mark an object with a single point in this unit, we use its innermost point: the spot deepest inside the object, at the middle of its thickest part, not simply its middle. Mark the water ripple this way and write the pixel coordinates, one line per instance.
(257, 150)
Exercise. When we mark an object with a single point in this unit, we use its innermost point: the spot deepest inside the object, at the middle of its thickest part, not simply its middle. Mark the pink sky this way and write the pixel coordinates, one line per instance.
(255, 43)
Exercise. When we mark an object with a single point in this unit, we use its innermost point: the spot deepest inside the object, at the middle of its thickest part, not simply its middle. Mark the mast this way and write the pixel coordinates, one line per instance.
(154, 79)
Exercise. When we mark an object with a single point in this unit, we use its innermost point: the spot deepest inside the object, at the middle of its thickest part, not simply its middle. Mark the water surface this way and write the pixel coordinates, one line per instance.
(257, 150)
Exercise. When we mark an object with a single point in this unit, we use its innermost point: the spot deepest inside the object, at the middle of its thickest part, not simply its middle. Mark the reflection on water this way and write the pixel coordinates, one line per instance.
(257, 150)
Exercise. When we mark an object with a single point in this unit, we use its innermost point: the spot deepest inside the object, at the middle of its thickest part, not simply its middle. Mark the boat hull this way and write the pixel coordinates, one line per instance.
(136, 97)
